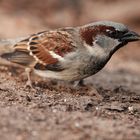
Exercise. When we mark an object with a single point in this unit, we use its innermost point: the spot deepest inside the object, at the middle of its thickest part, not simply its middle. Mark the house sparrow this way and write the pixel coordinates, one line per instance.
(71, 53)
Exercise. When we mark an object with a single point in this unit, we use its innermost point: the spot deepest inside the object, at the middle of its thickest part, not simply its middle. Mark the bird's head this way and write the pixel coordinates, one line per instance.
(108, 36)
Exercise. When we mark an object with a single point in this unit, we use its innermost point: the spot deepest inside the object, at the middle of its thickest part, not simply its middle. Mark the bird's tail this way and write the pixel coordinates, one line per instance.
(7, 45)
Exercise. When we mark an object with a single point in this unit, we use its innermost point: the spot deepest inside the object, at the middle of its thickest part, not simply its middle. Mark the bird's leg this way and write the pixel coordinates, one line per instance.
(91, 89)
(29, 82)
(79, 83)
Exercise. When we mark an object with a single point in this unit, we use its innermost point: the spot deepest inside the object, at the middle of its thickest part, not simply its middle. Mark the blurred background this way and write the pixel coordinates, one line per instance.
(23, 17)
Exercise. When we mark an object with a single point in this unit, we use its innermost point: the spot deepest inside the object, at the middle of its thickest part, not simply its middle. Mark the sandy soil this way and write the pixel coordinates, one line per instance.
(55, 111)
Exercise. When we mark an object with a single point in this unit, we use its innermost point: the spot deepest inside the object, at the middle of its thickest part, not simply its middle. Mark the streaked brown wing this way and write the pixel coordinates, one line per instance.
(42, 44)
(58, 42)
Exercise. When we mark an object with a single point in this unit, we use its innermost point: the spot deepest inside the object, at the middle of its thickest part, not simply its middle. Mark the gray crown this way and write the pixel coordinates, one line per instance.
(117, 26)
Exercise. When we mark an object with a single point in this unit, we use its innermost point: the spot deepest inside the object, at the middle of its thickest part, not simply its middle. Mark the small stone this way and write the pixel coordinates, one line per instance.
(54, 110)
(77, 124)
(130, 108)
(65, 100)
(97, 108)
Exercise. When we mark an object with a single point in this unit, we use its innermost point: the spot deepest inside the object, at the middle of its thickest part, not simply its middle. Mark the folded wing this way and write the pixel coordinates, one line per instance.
(42, 49)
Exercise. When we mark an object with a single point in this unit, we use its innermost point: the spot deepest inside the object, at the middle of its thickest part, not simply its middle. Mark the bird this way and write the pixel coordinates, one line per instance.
(70, 53)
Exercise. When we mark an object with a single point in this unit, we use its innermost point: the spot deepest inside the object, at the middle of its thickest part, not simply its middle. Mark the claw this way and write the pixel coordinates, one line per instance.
(94, 91)
(29, 84)
(91, 89)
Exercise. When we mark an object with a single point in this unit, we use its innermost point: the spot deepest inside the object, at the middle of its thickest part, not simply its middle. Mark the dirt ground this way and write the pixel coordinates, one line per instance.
(55, 111)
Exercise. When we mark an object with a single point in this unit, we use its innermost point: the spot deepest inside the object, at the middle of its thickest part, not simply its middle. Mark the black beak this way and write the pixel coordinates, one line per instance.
(130, 36)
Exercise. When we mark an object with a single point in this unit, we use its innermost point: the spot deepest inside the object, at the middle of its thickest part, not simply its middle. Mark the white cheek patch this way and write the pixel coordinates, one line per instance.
(107, 42)
(95, 49)
(101, 45)
(115, 42)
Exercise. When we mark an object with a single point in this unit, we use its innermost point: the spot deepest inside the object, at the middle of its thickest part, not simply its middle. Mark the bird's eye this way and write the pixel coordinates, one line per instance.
(115, 33)
(111, 32)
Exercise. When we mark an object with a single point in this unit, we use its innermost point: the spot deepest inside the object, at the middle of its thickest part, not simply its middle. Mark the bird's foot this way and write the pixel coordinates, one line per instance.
(89, 89)
(29, 84)
(93, 91)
